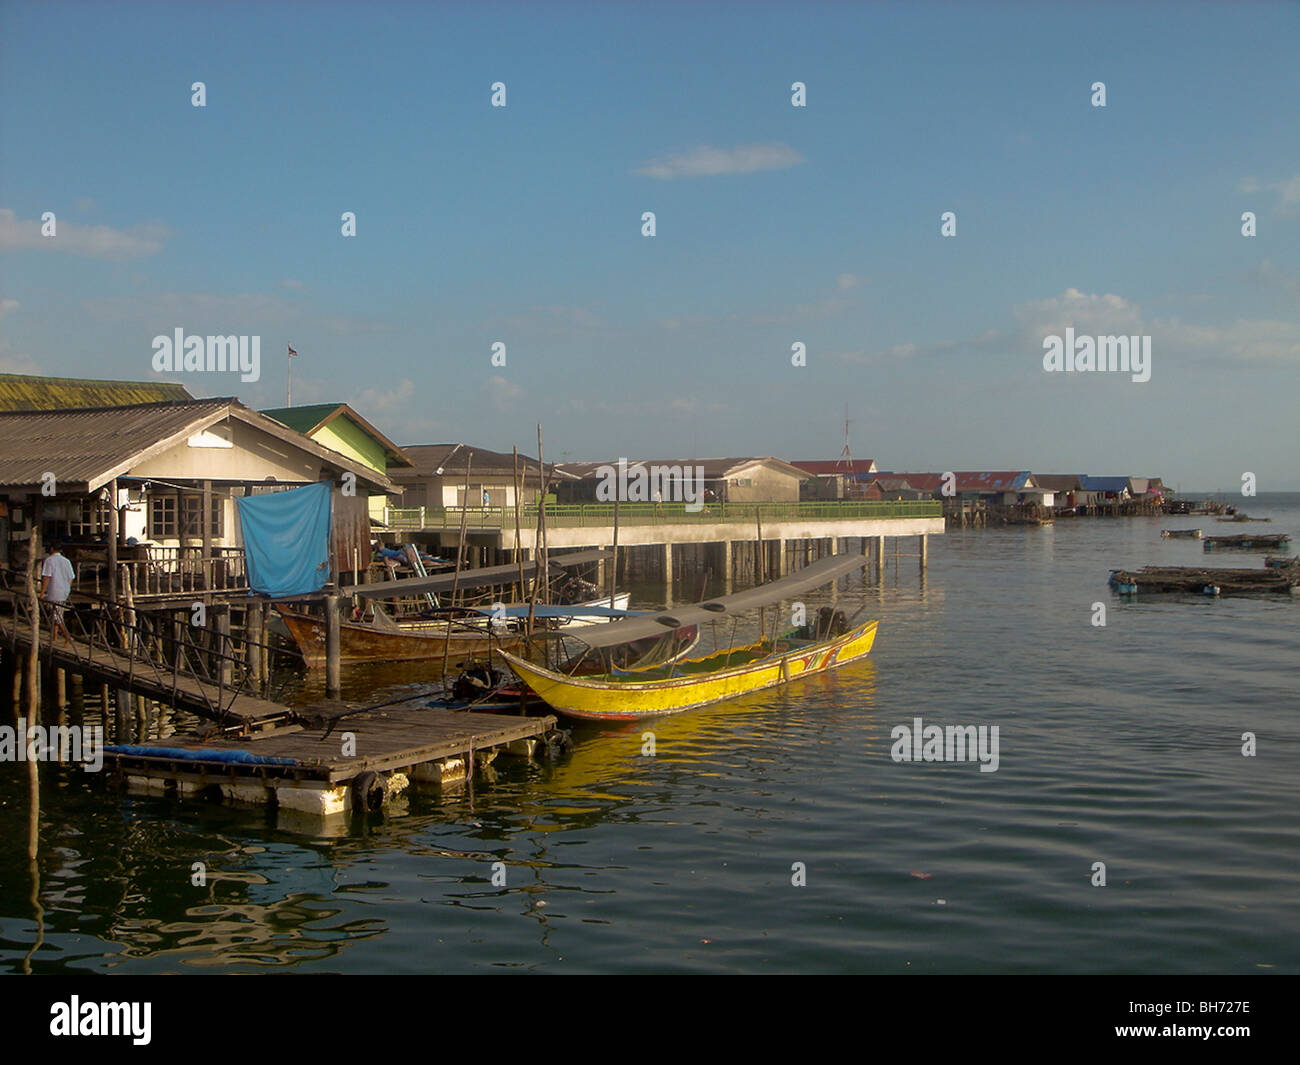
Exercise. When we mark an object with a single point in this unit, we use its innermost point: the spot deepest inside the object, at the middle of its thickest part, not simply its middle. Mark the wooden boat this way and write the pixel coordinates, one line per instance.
(1181, 534)
(619, 694)
(384, 639)
(1281, 561)
(695, 682)
(387, 640)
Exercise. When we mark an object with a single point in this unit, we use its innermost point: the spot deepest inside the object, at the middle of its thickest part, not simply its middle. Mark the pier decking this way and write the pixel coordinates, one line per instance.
(308, 770)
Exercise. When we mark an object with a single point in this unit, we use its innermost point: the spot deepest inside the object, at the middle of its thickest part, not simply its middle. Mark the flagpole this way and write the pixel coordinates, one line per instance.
(288, 390)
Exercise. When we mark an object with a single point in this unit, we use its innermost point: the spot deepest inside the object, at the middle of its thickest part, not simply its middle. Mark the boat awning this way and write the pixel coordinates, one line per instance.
(469, 578)
(659, 623)
(542, 611)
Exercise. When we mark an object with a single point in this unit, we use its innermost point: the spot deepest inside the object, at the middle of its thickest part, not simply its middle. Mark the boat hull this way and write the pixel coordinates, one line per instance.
(603, 700)
(410, 641)
(367, 643)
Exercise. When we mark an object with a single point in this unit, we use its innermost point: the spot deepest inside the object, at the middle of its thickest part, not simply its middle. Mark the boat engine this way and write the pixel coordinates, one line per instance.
(476, 682)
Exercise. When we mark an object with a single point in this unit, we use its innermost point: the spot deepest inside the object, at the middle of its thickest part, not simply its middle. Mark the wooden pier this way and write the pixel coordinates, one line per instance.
(323, 759)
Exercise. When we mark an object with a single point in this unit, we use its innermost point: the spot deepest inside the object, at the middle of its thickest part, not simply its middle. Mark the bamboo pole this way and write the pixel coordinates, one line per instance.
(613, 566)
(460, 551)
(541, 576)
(33, 700)
(519, 551)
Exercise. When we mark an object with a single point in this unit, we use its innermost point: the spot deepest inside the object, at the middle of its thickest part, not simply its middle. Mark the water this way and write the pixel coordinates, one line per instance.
(1118, 744)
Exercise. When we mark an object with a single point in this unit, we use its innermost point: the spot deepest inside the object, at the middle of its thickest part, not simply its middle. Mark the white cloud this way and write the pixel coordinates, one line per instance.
(1254, 341)
(372, 399)
(95, 242)
(502, 393)
(1087, 312)
(706, 161)
(1288, 192)
(8, 305)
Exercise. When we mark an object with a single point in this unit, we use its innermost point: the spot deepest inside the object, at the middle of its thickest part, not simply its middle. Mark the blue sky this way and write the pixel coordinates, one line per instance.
(775, 224)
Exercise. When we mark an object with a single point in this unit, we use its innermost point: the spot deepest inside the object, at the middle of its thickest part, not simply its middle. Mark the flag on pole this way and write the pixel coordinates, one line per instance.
(292, 353)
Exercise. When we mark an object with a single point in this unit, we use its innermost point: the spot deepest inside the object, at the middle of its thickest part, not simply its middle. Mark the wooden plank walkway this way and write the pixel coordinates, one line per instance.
(182, 691)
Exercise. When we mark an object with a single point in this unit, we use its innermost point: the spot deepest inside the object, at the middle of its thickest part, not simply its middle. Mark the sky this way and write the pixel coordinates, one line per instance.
(774, 224)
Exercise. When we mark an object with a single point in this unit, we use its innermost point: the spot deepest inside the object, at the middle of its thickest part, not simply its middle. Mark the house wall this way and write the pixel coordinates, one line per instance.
(253, 456)
(765, 485)
(347, 438)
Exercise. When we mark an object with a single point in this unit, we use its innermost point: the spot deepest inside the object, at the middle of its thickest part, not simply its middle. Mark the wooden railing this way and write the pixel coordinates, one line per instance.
(167, 571)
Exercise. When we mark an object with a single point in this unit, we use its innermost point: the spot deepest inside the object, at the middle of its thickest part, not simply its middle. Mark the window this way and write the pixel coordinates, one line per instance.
(162, 517)
(90, 520)
(165, 523)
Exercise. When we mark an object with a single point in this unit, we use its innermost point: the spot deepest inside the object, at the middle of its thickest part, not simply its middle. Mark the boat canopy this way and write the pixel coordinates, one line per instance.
(661, 622)
(469, 578)
(543, 611)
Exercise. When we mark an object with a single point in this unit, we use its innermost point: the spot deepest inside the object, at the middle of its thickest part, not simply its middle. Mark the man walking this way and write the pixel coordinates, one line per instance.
(57, 576)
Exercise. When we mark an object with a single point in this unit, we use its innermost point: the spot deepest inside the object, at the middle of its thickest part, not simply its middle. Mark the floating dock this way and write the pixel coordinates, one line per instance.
(1244, 541)
(362, 762)
(1199, 581)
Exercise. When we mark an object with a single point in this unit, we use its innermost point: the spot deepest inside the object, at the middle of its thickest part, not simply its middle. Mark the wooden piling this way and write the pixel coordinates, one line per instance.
(255, 631)
(333, 633)
(225, 667)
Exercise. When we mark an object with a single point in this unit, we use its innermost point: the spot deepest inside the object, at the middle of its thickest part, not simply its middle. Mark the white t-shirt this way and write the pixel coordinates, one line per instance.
(61, 575)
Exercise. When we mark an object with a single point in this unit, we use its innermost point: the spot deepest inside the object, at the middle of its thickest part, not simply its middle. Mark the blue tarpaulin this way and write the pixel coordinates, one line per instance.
(205, 755)
(287, 540)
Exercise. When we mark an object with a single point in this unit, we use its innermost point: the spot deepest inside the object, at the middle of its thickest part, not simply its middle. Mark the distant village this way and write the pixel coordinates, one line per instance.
(162, 469)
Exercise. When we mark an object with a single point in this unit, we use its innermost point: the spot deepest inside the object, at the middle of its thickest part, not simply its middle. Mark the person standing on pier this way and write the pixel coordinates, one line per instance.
(57, 576)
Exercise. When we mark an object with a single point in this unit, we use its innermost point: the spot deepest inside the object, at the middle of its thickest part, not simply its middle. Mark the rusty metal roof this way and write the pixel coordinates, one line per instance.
(20, 391)
(87, 448)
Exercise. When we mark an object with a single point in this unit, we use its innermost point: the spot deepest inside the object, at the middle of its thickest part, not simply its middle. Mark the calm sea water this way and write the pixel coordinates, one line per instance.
(1118, 744)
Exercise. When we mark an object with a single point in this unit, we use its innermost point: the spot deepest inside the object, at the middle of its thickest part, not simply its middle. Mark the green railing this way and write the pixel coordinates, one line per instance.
(601, 515)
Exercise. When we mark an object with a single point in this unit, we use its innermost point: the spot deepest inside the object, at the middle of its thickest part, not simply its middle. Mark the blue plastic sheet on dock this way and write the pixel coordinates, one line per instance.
(286, 540)
(208, 755)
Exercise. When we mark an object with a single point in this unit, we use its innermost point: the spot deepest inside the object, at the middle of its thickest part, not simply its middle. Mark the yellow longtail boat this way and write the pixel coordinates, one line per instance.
(684, 685)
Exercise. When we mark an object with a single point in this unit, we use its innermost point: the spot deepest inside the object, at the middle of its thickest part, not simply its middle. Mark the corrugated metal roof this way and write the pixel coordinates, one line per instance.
(825, 467)
(427, 458)
(86, 448)
(966, 481)
(715, 469)
(1104, 484)
(28, 392)
(1059, 482)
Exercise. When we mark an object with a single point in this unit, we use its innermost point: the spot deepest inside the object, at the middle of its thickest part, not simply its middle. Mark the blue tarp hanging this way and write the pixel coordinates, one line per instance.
(287, 540)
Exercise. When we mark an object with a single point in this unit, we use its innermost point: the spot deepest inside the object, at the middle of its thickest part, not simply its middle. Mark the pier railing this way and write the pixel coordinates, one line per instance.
(163, 653)
(167, 571)
(601, 515)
